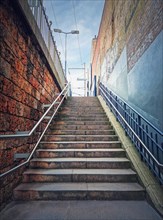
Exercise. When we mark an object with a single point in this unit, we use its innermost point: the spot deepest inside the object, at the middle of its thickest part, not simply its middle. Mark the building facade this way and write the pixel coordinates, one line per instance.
(128, 55)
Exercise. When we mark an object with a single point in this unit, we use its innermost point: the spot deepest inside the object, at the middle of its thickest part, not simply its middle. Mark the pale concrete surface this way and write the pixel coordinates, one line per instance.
(79, 210)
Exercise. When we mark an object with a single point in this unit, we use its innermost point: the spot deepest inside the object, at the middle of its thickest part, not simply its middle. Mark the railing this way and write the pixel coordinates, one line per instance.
(146, 137)
(64, 93)
(44, 26)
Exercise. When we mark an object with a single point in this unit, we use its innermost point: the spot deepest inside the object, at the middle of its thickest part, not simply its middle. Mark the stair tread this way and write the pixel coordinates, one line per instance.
(81, 135)
(80, 171)
(79, 142)
(50, 187)
(79, 159)
(82, 150)
(82, 130)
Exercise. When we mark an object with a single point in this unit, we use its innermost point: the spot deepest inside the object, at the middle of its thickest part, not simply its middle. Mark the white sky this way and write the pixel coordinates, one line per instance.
(88, 16)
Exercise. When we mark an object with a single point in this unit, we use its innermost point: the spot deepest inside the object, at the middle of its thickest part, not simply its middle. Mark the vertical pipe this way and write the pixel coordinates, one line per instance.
(65, 55)
(84, 81)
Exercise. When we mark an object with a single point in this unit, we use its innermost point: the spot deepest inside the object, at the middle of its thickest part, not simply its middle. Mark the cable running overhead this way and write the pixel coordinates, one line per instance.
(55, 18)
(77, 29)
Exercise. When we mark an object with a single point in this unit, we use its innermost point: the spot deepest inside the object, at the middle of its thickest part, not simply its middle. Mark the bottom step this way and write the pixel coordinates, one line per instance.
(82, 191)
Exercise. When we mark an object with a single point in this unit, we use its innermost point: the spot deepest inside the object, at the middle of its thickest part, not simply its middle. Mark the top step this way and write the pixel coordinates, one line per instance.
(82, 101)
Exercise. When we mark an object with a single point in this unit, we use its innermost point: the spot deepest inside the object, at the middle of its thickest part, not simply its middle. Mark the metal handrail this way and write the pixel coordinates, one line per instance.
(38, 123)
(34, 149)
(158, 163)
(160, 132)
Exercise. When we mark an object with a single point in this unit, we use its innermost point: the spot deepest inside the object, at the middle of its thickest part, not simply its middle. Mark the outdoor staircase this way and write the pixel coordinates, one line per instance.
(80, 157)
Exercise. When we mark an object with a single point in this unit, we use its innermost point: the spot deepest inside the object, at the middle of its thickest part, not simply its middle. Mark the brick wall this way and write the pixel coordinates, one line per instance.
(147, 22)
(26, 82)
(128, 54)
(134, 24)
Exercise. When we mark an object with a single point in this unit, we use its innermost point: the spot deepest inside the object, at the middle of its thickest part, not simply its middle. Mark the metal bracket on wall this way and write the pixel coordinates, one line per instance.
(21, 156)
(48, 105)
(22, 132)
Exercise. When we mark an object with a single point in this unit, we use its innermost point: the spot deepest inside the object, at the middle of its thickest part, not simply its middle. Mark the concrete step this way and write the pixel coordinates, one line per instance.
(80, 106)
(81, 163)
(77, 114)
(80, 123)
(54, 153)
(80, 132)
(81, 118)
(79, 175)
(81, 127)
(82, 191)
(84, 110)
(80, 144)
(80, 138)
(93, 110)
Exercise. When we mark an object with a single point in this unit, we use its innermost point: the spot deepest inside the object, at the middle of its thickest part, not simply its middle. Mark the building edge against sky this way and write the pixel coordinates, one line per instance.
(127, 55)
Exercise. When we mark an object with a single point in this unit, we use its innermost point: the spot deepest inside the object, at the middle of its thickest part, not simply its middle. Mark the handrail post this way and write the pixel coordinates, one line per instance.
(125, 126)
(140, 135)
(116, 105)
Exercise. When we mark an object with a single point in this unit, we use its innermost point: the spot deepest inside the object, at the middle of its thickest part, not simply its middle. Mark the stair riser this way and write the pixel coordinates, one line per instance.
(78, 195)
(82, 104)
(82, 132)
(81, 123)
(82, 112)
(79, 108)
(81, 127)
(75, 114)
(81, 165)
(82, 117)
(79, 154)
(79, 138)
(78, 178)
(82, 146)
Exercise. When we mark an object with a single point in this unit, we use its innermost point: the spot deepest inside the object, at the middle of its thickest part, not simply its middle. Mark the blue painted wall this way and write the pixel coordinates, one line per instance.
(142, 87)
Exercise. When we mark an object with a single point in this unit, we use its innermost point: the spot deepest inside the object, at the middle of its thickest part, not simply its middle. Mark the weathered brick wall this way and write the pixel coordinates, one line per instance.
(128, 54)
(26, 82)
(134, 23)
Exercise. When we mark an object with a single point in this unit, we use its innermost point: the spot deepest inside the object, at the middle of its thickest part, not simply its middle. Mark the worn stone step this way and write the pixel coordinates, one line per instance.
(79, 175)
(82, 112)
(76, 191)
(82, 101)
(66, 105)
(81, 127)
(80, 132)
(79, 144)
(77, 114)
(53, 153)
(68, 163)
(81, 118)
(80, 106)
(86, 108)
(80, 137)
(81, 123)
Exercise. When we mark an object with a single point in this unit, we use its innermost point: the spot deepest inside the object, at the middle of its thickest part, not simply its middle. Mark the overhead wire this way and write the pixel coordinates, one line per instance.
(74, 11)
(55, 18)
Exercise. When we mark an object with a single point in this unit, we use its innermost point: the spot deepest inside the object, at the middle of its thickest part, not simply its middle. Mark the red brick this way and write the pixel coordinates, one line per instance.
(25, 84)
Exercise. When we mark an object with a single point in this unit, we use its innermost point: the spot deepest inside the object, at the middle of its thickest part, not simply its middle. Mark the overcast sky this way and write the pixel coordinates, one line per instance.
(67, 15)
